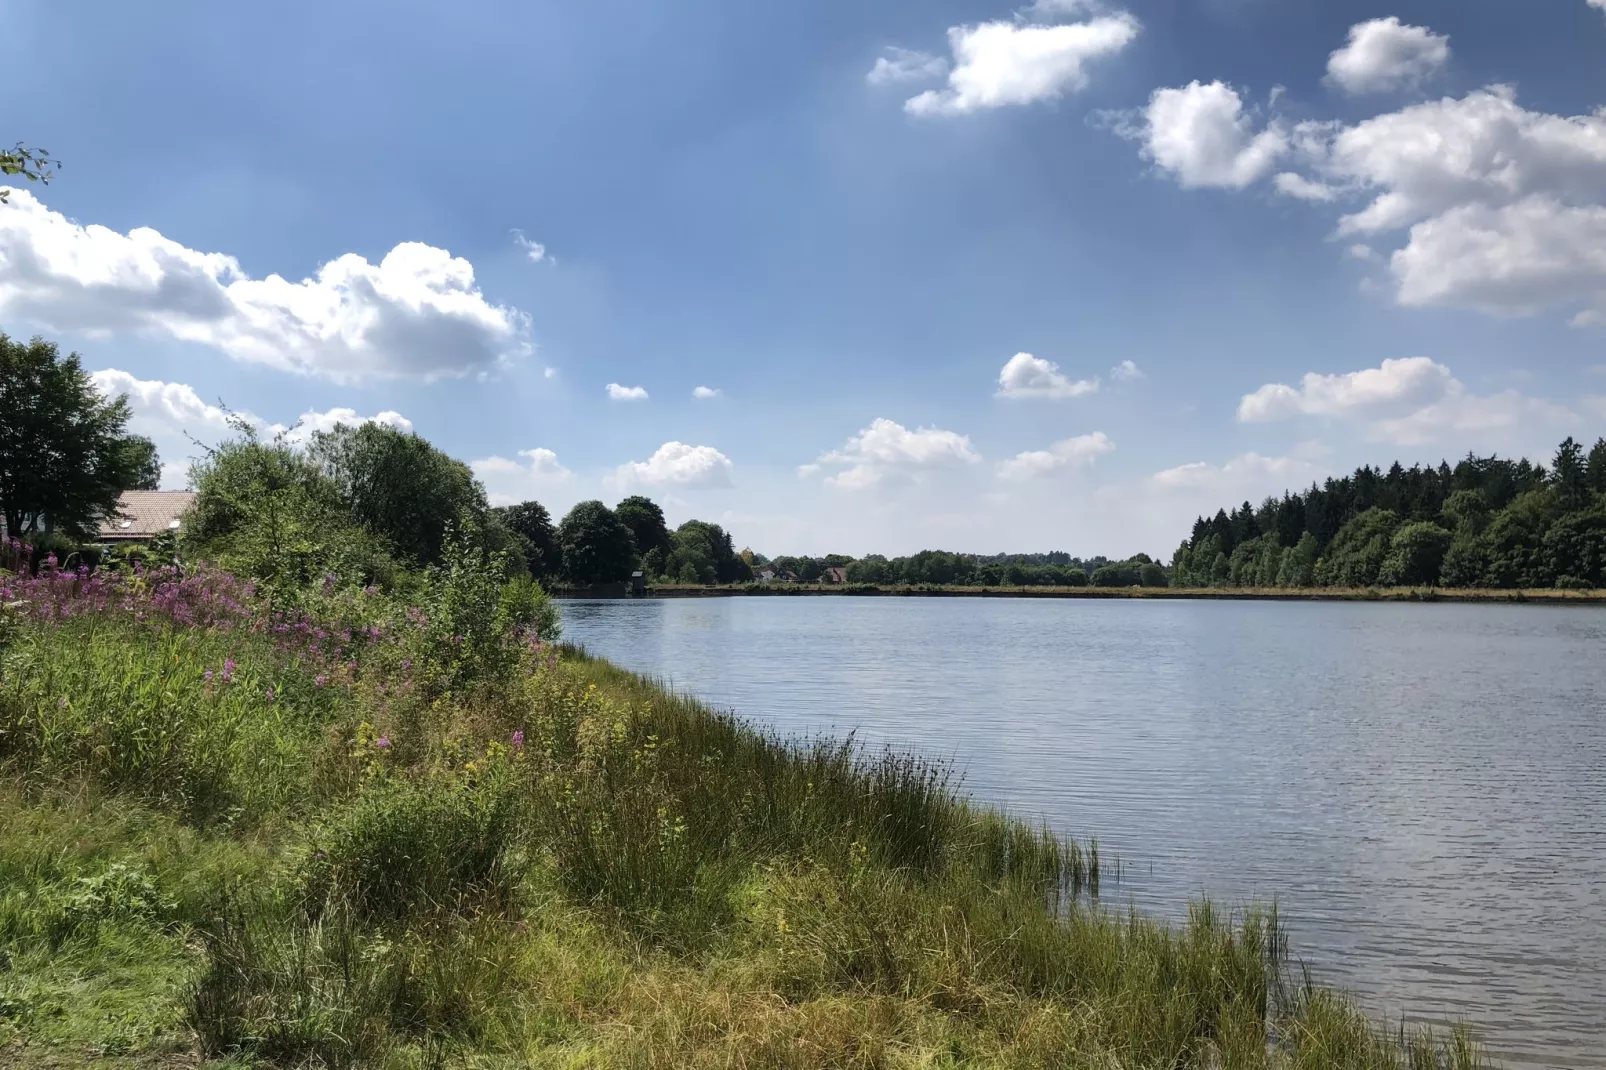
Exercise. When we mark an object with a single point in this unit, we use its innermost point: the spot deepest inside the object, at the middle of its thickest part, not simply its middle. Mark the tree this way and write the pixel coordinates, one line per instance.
(596, 545)
(1416, 553)
(1596, 470)
(33, 164)
(1570, 474)
(1358, 550)
(140, 462)
(705, 552)
(398, 486)
(646, 523)
(64, 458)
(531, 522)
(267, 511)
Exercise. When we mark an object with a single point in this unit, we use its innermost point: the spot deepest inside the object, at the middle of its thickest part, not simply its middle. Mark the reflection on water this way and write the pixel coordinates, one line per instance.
(1422, 788)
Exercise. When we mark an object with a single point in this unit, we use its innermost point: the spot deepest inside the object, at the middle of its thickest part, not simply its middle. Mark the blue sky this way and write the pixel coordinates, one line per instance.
(1283, 239)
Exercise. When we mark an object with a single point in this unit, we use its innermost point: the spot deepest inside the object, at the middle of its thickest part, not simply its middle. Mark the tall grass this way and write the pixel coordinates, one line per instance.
(547, 861)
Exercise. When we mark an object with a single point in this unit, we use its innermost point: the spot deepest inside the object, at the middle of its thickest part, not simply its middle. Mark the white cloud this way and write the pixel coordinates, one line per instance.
(997, 64)
(1386, 54)
(1406, 381)
(1501, 208)
(310, 423)
(1249, 474)
(1513, 260)
(511, 480)
(1125, 372)
(1301, 188)
(1026, 376)
(1483, 148)
(896, 65)
(704, 393)
(417, 313)
(1202, 136)
(676, 464)
(157, 408)
(887, 448)
(1597, 3)
(626, 393)
(1068, 453)
(1406, 402)
(533, 250)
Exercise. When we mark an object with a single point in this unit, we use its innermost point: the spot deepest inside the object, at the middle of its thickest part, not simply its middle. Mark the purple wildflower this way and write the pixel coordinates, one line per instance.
(228, 669)
(383, 742)
(518, 739)
(208, 675)
(320, 680)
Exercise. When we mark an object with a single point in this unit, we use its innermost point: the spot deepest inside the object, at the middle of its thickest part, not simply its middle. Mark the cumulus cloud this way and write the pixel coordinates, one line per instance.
(1502, 204)
(509, 480)
(997, 64)
(1201, 135)
(309, 423)
(626, 393)
(676, 464)
(1498, 207)
(1384, 55)
(158, 408)
(705, 393)
(888, 449)
(1516, 259)
(1026, 376)
(417, 313)
(1247, 470)
(1409, 380)
(171, 414)
(896, 65)
(1125, 372)
(1068, 453)
(1407, 402)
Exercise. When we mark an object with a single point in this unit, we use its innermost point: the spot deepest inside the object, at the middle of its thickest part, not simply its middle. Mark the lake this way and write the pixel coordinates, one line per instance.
(1421, 788)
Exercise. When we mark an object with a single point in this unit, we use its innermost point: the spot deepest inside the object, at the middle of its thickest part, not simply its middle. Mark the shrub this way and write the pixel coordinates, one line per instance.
(407, 847)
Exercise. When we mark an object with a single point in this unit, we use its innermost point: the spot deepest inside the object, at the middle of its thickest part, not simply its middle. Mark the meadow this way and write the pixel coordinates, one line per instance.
(343, 829)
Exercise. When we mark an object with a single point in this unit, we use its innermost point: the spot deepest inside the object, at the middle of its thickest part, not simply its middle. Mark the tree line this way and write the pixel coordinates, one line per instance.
(1484, 522)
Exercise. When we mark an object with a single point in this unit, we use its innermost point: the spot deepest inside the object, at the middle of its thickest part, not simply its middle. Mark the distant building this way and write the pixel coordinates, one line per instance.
(144, 514)
(835, 575)
(765, 574)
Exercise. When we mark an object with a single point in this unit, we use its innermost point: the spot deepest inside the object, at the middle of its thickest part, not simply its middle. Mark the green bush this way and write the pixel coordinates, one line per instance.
(405, 847)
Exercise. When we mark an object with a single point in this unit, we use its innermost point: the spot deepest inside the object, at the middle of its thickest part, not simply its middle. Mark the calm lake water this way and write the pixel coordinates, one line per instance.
(1422, 788)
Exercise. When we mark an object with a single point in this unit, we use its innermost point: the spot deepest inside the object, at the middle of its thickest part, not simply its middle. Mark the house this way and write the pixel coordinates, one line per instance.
(144, 514)
(835, 574)
(765, 574)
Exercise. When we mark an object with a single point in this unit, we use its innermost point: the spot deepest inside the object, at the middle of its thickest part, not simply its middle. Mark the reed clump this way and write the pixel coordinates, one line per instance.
(287, 841)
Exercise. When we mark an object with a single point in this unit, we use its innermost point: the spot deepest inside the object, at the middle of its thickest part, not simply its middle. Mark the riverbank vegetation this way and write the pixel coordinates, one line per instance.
(272, 827)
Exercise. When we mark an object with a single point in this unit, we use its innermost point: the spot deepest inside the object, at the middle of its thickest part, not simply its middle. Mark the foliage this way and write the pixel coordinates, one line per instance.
(645, 520)
(142, 465)
(32, 164)
(64, 456)
(1486, 522)
(398, 487)
(266, 511)
(596, 545)
(538, 539)
(703, 553)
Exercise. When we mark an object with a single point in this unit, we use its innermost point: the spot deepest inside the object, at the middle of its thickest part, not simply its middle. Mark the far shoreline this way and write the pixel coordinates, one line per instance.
(1238, 594)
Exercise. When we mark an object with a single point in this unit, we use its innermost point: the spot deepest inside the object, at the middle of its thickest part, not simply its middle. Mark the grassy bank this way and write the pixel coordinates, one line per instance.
(286, 837)
(1274, 594)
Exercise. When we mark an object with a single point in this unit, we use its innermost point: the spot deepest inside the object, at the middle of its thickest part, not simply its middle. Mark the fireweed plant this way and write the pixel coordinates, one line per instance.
(343, 829)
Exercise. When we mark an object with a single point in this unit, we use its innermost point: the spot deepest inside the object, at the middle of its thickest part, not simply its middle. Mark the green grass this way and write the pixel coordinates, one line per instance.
(565, 866)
